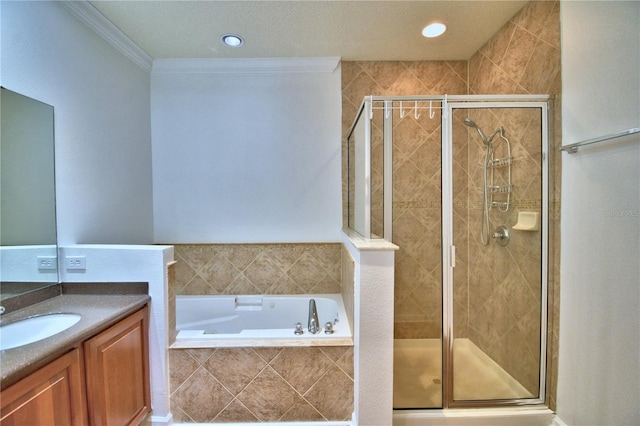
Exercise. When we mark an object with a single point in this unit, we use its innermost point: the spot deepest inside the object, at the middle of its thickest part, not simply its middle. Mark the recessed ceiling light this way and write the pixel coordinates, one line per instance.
(232, 40)
(434, 30)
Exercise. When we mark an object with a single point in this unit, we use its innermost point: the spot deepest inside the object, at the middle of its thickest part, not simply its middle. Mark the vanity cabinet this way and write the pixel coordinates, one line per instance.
(52, 395)
(102, 381)
(117, 372)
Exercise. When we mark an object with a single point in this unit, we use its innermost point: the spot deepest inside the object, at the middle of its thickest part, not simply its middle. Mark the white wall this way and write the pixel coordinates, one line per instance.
(599, 359)
(372, 329)
(599, 68)
(21, 264)
(102, 121)
(103, 155)
(246, 151)
(249, 157)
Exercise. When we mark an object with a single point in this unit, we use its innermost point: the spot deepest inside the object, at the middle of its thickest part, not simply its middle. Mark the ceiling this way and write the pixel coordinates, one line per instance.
(353, 30)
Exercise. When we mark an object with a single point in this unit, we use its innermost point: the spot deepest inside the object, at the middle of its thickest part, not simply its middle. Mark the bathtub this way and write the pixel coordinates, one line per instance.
(267, 321)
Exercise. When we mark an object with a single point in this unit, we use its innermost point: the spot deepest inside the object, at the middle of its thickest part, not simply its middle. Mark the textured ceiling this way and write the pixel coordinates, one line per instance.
(353, 30)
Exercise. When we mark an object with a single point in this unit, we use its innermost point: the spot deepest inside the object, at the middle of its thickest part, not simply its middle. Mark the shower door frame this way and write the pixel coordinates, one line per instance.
(448, 248)
(448, 103)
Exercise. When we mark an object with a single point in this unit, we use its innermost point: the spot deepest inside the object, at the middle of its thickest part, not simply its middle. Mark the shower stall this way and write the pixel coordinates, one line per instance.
(460, 185)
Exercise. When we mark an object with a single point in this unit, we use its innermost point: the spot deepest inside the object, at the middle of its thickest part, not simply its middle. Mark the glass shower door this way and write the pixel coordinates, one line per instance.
(499, 278)
(417, 231)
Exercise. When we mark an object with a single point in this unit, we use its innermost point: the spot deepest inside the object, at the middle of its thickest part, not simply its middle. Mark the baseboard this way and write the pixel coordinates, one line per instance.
(328, 423)
(502, 416)
(557, 421)
(162, 420)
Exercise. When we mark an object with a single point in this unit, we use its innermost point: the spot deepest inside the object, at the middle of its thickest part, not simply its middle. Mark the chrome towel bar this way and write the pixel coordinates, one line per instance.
(573, 148)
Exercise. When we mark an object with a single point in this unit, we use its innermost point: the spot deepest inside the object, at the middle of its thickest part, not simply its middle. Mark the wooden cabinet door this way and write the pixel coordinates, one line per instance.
(117, 372)
(52, 396)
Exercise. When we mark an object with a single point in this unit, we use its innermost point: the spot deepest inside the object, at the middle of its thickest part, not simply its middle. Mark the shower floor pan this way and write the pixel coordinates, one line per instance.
(417, 374)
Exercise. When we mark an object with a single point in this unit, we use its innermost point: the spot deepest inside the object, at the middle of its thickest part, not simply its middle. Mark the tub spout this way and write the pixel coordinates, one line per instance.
(313, 325)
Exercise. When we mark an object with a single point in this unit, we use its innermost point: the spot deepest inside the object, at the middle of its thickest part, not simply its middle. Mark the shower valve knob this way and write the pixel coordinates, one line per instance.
(501, 235)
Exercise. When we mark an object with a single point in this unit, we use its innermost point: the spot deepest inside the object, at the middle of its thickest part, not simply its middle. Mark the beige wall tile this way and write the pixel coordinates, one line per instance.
(269, 397)
(262, 384)
(258, 268)
(302, 411)
(201, 397)
(301, 367)
(523, 58)
(328, 395)
(234, 368)
(235, 412)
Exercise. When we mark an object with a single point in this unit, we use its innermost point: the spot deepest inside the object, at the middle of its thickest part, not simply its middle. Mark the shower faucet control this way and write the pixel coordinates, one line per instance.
(501, 235)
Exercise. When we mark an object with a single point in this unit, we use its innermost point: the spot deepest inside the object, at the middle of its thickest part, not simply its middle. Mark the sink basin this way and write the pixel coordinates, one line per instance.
(32, 329)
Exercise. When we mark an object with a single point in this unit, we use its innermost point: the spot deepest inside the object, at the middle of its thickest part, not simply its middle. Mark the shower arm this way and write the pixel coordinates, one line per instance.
(499, 131)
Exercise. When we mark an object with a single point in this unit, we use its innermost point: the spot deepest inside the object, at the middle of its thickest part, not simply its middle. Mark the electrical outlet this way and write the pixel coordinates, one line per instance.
(75, 262)
(47, 263)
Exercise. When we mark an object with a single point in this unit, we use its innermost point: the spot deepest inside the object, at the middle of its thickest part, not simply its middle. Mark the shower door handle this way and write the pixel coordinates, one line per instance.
(452, 256)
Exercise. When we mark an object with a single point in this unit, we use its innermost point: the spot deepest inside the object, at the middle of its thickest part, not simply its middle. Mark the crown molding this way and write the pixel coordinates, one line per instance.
(247, 65)
(89, 15)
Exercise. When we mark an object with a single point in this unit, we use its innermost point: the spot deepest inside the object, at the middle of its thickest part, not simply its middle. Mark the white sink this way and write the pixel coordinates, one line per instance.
(32, 329)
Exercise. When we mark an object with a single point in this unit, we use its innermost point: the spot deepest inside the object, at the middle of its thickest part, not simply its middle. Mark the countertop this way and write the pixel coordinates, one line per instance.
(98, 312)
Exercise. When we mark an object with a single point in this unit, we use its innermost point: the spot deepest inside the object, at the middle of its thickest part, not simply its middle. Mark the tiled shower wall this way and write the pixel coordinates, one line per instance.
(416, 188)
(497, 289)
(524, 57)
(225, 385)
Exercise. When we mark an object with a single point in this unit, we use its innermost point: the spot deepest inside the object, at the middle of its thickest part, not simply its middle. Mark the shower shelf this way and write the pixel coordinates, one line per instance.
(499, 204)
(499, 162)
(500, 189)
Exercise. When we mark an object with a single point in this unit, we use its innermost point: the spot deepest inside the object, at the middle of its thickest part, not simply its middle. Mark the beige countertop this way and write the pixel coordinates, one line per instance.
(98, 311)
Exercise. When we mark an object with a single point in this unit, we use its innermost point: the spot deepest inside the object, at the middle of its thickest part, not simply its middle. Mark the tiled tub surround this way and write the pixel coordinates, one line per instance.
(225, 385)
(235, 269)
(260, 384)
(522, 58)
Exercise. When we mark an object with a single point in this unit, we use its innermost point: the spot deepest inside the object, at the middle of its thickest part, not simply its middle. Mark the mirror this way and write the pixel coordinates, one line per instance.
(28, 252)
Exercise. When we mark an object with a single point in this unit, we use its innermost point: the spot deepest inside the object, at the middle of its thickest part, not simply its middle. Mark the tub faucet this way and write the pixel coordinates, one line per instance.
(313, 318)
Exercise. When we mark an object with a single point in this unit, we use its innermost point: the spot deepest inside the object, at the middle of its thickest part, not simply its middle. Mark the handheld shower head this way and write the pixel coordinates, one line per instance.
(469, 122)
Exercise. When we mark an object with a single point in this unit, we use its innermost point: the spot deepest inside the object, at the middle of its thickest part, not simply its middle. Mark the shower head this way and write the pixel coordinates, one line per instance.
(469, 122)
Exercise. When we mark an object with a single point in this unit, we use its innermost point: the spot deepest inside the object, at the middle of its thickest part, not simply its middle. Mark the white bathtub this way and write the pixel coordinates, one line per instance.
(268, 320)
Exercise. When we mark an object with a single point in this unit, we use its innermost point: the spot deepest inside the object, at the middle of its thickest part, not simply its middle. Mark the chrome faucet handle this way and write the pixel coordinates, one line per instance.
(328, 328)
(298, 331)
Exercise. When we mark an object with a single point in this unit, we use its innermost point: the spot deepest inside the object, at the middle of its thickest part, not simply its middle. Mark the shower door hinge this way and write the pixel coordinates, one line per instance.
(452, 256)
